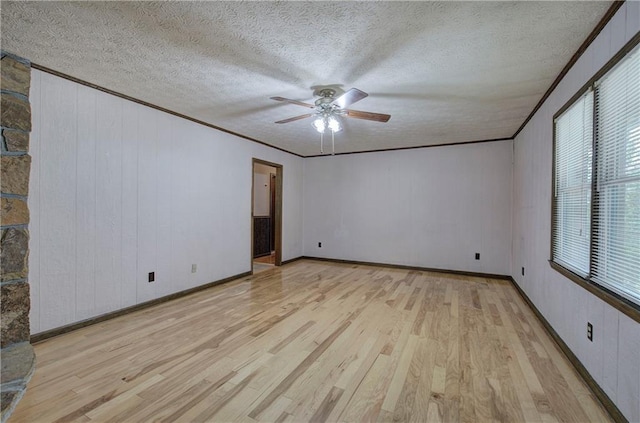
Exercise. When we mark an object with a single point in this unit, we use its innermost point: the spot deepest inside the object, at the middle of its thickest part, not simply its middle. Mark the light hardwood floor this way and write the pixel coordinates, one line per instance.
(270, 259)
(315, 341)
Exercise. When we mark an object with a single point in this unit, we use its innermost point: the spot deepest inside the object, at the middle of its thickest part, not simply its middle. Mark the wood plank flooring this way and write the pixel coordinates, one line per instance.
(261, 267)
(315, 341)
(270, 259)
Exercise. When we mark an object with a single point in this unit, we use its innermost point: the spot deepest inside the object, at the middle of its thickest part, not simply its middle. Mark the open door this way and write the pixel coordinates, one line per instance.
(272, 210)
(266, 215)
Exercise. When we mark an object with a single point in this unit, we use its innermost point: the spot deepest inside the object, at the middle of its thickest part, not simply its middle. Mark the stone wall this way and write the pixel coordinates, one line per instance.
(15, 124)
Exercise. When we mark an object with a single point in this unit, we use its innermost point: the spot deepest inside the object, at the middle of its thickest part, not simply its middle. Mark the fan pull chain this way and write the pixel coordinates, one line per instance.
(333, 144)
(321, 150)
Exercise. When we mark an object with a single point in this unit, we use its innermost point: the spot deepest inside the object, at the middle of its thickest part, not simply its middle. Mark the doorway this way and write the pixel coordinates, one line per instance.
(266, 215)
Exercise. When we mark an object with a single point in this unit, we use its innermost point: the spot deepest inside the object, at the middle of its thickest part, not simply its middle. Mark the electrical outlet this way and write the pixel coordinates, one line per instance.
(522, 270)
(477, 256)
(152, 276)
(319, 244)
(194, 268)
(589, 331)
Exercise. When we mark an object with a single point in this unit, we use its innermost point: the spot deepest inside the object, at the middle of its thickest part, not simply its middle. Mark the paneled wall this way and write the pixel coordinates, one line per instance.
(431, 207)
(613, 358)
(119, 190)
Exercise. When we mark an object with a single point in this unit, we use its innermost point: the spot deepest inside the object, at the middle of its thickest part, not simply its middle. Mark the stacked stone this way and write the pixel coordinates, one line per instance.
(15, 124)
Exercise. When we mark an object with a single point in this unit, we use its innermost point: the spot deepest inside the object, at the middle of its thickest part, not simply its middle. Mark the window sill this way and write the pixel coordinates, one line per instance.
(621, 304)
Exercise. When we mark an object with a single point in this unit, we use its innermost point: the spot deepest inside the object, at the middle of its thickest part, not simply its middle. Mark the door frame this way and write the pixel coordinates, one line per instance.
(278, 209)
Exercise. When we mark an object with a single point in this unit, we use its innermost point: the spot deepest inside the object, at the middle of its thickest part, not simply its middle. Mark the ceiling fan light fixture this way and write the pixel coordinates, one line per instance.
(319, 124)
(333, 124)
(322, 123)
(328, 109)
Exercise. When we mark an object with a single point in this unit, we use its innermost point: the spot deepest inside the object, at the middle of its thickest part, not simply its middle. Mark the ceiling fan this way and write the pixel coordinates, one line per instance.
(328, 108)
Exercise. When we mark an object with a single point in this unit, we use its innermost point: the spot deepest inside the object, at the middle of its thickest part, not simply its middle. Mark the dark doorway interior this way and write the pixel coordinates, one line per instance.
(266, 214)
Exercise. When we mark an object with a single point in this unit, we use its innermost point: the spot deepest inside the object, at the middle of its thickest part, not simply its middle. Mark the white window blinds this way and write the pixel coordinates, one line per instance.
(572, 191)
(616, 232)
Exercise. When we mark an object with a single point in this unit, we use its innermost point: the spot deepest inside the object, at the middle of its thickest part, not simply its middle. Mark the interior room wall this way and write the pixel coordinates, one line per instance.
(261, 189)
(119, 190)
(430, 207)
(613, 358)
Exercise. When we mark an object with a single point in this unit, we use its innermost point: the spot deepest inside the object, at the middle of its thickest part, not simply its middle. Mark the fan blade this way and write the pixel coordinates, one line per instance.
(378, 117)
(299, 103)
(349, 98)
(295, 118)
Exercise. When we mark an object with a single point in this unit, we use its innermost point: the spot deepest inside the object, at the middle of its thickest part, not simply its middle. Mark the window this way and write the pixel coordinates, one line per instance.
(596, 190)
(574, 140)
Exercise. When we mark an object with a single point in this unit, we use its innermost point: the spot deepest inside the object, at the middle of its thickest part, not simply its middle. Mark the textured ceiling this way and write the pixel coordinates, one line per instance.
(446, 72)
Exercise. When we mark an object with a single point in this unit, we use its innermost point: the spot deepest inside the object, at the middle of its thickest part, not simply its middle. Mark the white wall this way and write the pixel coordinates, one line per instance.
(613, 358)
(262, 189)
(119, 190)
(430, 207)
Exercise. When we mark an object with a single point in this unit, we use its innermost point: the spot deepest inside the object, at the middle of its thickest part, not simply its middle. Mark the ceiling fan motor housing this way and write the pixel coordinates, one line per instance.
(326, 97)
(324, 105)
